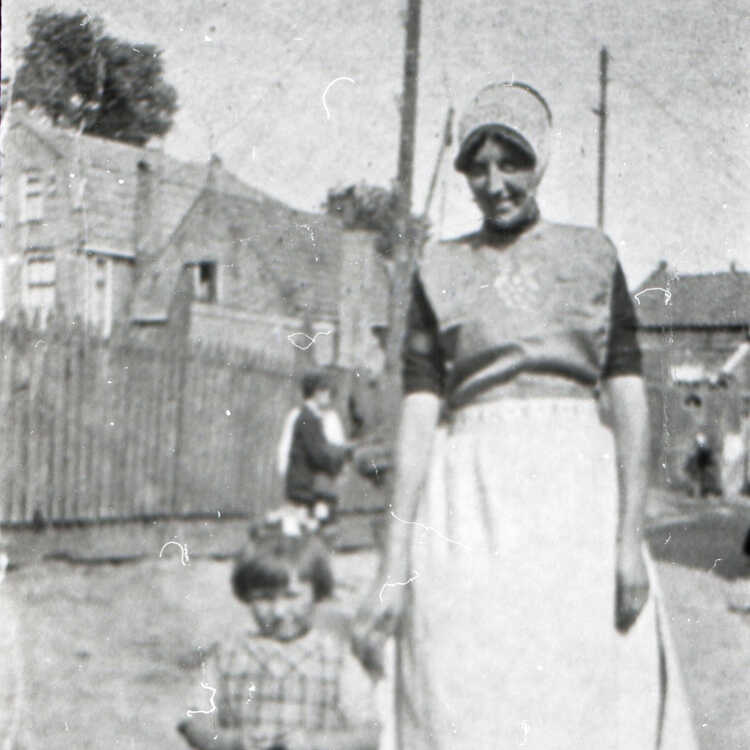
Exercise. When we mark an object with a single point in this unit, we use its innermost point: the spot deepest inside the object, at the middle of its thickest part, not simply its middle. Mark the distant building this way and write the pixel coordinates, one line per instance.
(116, 234)
(690, 327)
(248, 271)
(74, 209)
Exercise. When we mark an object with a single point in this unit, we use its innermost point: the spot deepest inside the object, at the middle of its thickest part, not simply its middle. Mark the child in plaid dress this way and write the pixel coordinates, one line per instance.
(291, 682)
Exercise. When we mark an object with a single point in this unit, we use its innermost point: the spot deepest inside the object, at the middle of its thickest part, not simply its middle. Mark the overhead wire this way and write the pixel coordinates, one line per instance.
(438, 22)
(686, 126)
(257, 101)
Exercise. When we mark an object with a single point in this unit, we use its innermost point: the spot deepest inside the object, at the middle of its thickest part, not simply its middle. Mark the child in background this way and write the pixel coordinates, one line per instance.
(313, 450)
(289, 683)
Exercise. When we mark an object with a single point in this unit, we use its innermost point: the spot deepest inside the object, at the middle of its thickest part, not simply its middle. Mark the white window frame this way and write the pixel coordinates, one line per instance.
(99, 307)
(32, 196)
(39, 274)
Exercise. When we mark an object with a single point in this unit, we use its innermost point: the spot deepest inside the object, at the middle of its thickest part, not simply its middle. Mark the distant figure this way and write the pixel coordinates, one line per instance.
(702, 468)
(289, 680)
(314, 450)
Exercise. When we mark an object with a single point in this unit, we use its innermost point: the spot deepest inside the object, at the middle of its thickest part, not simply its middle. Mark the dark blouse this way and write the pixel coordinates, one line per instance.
(310, 454)
(430, 349)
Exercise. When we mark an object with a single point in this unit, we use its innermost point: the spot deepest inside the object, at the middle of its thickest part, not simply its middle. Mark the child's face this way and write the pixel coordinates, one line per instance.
(284, 613)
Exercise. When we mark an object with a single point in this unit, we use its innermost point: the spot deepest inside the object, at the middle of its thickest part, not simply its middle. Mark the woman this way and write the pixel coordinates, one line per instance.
(517, 583)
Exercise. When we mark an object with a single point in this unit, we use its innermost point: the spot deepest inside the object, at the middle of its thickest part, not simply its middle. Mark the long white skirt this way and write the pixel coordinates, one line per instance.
(510, 641)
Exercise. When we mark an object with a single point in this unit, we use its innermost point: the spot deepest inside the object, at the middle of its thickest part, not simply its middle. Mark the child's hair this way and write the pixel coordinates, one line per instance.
(314, 381)
(270, 561)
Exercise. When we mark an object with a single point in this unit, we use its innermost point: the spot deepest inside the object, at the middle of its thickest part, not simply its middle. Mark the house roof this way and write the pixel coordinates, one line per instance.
(109, 173)
(297, 252)
(711, 300)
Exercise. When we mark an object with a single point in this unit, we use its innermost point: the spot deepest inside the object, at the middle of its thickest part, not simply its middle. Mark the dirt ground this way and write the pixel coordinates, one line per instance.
(112, 652)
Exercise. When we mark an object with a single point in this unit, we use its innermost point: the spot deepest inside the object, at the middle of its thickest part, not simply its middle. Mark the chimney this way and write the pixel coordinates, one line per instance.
(147, 224)
(214, 168)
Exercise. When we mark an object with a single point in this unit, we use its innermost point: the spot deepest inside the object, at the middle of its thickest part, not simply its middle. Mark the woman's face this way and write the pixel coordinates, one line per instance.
(501, 176)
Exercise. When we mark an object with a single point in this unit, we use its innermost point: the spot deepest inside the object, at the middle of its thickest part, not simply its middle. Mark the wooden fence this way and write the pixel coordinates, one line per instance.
(96, 429)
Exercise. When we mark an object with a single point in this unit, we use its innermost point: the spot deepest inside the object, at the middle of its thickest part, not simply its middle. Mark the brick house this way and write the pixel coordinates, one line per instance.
(691, 329)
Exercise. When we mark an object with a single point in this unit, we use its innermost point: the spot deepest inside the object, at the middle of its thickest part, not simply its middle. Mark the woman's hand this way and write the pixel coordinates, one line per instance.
(378, 619)
(631, 584)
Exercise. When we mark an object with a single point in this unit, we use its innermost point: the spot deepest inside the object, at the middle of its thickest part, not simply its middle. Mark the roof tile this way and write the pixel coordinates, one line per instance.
(710, 300)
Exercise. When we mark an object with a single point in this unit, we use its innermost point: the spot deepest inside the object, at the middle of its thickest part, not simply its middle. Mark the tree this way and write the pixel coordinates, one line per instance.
(85, 79)
(372, 207)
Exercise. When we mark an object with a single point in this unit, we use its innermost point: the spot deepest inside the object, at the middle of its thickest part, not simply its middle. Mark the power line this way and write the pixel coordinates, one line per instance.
(685, 126)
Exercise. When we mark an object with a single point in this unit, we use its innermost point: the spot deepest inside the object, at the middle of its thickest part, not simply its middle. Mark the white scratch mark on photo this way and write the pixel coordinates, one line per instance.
(397, 583)
(310, 339)
(184, 557)
(328, 88)
(310, 230)
(193, 712)
(666, 292)
(434, 531)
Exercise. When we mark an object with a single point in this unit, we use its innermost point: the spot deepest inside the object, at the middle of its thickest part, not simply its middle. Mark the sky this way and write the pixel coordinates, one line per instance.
(299, 97)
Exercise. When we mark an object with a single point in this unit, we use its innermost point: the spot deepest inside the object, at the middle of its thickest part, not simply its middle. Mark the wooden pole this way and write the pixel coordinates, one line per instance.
(444, 145)
(409, 103)
(602, 113)
(406, 248)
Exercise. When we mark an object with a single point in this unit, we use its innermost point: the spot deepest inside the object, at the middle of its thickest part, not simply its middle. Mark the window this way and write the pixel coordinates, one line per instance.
(99, 293)
(39, 286)
(32, 197)
(205, 281)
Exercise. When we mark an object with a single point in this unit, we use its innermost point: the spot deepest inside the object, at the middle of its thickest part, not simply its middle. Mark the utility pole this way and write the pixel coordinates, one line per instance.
(409, 103)
(405, 250)
(602, 113)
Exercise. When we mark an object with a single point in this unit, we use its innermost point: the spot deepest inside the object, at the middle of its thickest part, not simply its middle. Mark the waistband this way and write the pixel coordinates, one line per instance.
(550, 410)
(523, 385)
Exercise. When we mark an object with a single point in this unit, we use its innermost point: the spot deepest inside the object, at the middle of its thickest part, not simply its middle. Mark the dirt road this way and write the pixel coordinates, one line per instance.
(112, 652)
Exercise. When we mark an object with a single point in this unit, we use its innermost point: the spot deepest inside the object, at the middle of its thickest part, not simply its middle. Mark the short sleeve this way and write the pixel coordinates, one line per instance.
(623, 351)
(423, 366)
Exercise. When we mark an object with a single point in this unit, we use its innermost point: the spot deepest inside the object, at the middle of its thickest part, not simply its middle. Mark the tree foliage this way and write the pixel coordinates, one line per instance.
(88, 80)
(374, 208)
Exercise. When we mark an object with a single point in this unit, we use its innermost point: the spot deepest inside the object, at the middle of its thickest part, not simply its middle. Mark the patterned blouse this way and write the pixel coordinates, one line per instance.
(544, 310)
(268, 688)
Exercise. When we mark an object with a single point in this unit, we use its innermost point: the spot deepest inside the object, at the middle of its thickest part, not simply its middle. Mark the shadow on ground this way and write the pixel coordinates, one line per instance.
(709, 541)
